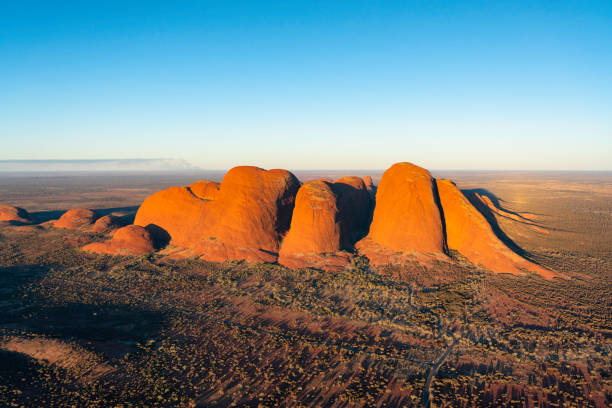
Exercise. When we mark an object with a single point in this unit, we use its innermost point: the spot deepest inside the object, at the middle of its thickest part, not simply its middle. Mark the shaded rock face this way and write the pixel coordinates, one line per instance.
(106, 224)
(75, 218)
(129, 240)
(468, 232)
(14, 214)
(370, 186)
(355, 206)
(250, 214)
(406, 216)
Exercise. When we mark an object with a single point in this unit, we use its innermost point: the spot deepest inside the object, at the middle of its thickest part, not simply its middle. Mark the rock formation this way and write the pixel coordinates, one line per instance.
(247, 217)
(204, 189)
(315, 236)
(75, 218)
(250, 214)
(14, 214)
(468, 232)
(370, 186)
(129, 240)
(106, 224)
(355, 208)
(176, 211)
(244, 217)
(406, 217)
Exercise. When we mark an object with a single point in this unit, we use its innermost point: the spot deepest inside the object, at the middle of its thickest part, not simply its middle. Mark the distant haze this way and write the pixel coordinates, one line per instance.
(120, 165)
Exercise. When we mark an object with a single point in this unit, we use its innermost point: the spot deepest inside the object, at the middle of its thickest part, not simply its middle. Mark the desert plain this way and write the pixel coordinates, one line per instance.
(97, 330)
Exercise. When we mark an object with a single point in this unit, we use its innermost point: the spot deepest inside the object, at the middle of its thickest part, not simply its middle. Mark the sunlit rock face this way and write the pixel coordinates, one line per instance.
(14, 214)
(176, 211)
(204, 189)
(406, 217)
(315, 237)
(249, 216)
(469, 232)
(76, 218)
(243, 218)
(129, 240)
(265, 216)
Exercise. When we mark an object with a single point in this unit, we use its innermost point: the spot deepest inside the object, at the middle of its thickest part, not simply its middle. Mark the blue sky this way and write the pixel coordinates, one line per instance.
(309, 84)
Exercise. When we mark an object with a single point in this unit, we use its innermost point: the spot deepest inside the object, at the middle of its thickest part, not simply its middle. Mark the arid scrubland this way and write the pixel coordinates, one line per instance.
(81, 329)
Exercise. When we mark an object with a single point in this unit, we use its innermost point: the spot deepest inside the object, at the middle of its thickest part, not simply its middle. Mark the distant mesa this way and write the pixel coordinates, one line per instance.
(14, 215)
(266, 216)
(129, 240)
(76, 218)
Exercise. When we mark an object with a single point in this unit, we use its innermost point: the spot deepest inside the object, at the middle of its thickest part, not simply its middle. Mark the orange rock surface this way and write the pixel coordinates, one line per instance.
(106, 224)
(250, 214)
(468, 232)
(129, 240)
(204, 189)
(406, 217)
(75, 218)
(14, 214)
(315, 226)
(177, 211)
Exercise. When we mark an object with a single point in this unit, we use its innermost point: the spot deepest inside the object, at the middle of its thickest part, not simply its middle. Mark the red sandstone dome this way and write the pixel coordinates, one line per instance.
(468, 232)
(14, 214)
(406, 217)
(250, 214)
(315, 236)
(177, 211)
(129, 240)
(106, 224)
(244, 218)
(75, 218)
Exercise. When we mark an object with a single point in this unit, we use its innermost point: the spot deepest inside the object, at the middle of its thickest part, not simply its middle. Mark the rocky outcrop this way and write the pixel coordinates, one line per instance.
(406, 217)
(260, 216)
(175, 211)
(107, 224)
(469, 233)
(204, 189)
(76, 218)
(243, 218)
(249, 216)
(129, 240)
(14, 215)
(315, 237)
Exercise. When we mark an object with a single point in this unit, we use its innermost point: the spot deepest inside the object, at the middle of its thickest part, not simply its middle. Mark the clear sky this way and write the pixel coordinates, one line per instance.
(310, 84)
